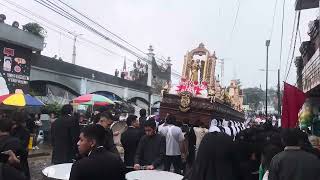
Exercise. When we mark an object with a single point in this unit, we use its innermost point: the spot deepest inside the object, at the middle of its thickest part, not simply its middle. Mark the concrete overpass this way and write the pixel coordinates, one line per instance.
(80, 80)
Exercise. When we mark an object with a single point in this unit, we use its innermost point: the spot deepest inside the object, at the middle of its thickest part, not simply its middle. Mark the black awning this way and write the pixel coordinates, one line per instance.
(306, 4)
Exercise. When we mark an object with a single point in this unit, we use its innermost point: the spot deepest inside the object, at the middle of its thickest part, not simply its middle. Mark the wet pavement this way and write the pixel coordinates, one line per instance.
(38, 160)
(37, 164)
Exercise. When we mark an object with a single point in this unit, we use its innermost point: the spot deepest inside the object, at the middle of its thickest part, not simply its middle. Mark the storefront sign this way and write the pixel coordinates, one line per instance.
(14, 68)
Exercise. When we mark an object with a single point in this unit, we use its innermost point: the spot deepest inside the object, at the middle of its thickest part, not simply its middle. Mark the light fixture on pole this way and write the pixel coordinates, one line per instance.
(74, 53)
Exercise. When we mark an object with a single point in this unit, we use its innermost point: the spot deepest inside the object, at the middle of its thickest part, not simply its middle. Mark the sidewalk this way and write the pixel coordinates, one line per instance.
(44, 150)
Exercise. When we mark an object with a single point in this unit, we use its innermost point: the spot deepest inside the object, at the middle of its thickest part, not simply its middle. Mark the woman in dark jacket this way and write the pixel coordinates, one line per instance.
(214, 159)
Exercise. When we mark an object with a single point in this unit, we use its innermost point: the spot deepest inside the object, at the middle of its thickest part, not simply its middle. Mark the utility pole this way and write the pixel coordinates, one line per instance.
(267, 70)
(74, 53)
(279, 95)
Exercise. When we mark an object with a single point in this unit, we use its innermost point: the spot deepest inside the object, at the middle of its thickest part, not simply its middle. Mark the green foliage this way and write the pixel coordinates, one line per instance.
(53, 108)
(35, 29)
(253, 97)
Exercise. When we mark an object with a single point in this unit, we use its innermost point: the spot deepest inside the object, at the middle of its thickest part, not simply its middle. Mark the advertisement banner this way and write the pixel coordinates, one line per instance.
(14, 68)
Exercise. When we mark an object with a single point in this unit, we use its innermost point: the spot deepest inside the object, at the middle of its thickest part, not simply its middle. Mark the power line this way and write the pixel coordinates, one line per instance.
(96, 23)
(235, 21)
(282, 27)
(71, 17)
(58, 26)
(273, 18)
(104, 28)
(295, 42)
(291, 42)
(74, 19)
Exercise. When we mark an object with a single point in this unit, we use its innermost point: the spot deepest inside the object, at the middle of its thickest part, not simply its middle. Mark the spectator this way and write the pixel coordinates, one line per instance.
(267, 154)
(293, 163)
(52, 117)
(30, 124)
(13, 147)
(214, 159)
(65, 133)
(130, 139)
(98, 163)
(143, 117)
(45, 121)
(19, 129)
(174, 145)
(106, 120)
(151, 149)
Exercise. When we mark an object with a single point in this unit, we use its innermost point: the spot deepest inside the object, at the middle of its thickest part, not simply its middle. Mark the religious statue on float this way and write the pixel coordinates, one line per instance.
(199, 66)
(194, 70)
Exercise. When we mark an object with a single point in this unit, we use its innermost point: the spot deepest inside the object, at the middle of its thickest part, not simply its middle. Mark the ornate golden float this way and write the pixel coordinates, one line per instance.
(199, 97)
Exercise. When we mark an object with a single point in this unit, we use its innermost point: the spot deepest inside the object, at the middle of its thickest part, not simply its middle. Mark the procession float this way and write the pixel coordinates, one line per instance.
(199, 97)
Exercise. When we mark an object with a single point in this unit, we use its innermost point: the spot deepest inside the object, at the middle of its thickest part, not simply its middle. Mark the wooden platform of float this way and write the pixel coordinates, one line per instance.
(197, 110)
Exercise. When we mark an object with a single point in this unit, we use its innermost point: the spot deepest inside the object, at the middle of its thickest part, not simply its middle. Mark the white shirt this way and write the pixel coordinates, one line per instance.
(199, 132)
(227, 130)
(173, 136)
(266, 175)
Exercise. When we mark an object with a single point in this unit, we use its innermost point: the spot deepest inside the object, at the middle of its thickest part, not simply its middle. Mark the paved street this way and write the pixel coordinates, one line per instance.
(38, 160)
(37, 164)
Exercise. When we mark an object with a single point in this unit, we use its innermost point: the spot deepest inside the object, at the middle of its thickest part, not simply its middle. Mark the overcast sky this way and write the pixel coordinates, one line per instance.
(175, 26)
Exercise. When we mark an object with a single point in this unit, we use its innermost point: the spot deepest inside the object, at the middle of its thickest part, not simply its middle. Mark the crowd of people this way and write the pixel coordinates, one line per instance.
(227, 150)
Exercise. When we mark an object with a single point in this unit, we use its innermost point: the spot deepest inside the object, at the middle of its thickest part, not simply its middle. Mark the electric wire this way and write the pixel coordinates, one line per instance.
(291, 43)
(294, 47)
(282, 29)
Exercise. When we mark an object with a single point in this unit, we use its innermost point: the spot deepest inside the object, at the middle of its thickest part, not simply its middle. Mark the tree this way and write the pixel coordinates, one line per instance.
(53, 108)
(253, 97)
(35, 29)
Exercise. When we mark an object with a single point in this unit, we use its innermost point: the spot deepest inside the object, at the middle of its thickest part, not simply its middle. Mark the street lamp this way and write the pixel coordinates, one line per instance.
(75, 36)
(267, 69)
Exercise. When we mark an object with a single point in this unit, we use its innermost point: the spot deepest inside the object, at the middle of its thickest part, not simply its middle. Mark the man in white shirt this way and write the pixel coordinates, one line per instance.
(174, 145)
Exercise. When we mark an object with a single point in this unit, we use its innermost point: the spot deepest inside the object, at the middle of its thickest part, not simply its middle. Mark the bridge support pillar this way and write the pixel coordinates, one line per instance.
(83, 86)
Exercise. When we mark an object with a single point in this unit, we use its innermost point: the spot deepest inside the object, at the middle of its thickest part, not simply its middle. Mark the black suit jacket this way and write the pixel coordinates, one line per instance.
(65, 134)
(130, 141)
(109, 144)
(22, 134)
(11, 143)
(99, 165)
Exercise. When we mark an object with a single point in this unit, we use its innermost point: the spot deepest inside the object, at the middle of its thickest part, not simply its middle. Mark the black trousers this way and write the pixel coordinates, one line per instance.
(175, 161)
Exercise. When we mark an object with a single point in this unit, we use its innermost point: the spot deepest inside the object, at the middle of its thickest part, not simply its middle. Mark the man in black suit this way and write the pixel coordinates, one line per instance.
(65, 134)
(106, 119)
(130, 139)
(99, 164)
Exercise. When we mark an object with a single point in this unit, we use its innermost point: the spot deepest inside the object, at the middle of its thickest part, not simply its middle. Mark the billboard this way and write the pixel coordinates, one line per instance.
(15, 64)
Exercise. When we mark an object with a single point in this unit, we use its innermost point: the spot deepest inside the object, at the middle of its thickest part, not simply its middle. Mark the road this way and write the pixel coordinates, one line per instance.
(37, 164)
(38, 160)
